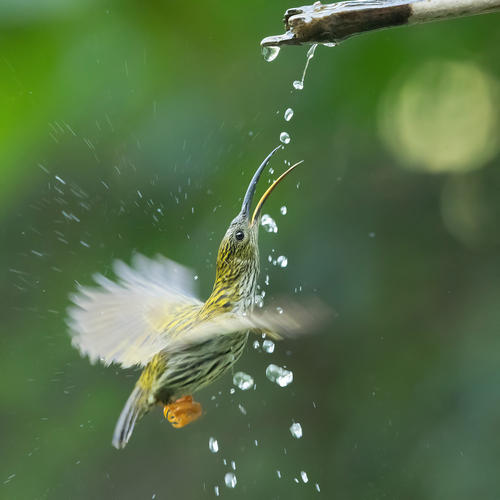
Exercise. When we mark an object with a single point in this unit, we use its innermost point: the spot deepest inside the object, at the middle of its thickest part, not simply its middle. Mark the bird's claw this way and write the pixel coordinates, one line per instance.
(182, 412)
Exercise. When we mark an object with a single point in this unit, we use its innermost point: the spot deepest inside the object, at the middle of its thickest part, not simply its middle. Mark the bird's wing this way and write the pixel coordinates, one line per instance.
(126, 321)
(290, 320)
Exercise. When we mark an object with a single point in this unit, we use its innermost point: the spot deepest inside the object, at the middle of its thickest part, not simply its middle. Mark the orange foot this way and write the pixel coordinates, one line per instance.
(182, 412)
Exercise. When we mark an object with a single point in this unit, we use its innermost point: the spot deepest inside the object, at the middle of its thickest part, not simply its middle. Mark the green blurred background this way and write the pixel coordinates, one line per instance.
(135, 126)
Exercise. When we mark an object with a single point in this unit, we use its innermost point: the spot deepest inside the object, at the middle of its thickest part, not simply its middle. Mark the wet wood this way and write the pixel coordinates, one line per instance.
(333, 23)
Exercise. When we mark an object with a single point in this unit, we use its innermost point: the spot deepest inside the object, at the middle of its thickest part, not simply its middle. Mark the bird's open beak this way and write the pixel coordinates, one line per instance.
(247, 201)
(269, 190)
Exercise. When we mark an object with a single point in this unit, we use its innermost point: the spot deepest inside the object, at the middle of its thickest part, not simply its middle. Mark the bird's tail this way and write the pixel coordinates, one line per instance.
(135, 407)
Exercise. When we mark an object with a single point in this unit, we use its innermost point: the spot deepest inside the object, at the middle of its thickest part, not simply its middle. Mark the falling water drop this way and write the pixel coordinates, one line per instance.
(288, 114)
(299, 84)
(285, 138)
(213, 445)
(243, 381)
(230, 479)
(283, 210)
(303, 475)
(282, 261)
(279, 375)
(268, 346)
(296, 430)
(270, 53)
(268, 223)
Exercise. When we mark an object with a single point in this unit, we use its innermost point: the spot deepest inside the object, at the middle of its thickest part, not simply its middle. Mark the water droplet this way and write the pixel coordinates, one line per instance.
(268, 346)
(213, 445)
(296, 430)
(266, 281)
(282, 261)
(329, 44)
(312, 49)
(269, 224)
(270, 53)
(279, 375)
(259, 300)
(256, 344)
(317, 487)
(304, 477)
(243, 381)
(285, 138)
(283, 210)
(216, 490)
(288, 114)
(280, 310)
(371, 235)
(278, 473)
(299, 84)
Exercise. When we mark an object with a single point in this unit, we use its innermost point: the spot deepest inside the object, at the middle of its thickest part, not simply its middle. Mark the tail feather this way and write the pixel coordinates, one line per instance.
(135, 407)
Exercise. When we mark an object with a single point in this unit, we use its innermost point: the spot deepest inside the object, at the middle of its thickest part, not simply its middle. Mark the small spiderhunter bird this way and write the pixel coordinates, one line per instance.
(151, 318)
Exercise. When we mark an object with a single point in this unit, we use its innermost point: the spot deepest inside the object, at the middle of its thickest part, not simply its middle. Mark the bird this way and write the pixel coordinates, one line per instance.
(150, 317)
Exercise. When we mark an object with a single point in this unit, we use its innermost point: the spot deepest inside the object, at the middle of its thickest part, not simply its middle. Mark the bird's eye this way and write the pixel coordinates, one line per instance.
(239, 235)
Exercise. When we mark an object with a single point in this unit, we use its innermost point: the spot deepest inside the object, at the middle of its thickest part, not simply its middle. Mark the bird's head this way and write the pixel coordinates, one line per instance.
(238, 256)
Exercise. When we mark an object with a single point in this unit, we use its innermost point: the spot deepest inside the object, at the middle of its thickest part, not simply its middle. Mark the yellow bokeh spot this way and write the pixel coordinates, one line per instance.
(442, 117)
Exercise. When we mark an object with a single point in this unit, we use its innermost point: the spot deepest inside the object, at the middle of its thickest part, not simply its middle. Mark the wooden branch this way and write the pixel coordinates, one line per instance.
(332, 23)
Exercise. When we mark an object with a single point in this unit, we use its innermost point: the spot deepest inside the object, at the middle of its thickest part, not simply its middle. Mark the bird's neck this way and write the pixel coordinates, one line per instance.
(233, 291)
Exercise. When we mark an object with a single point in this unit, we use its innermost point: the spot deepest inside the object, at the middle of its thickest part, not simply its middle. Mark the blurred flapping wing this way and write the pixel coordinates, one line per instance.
(126, 321)
(289, 320)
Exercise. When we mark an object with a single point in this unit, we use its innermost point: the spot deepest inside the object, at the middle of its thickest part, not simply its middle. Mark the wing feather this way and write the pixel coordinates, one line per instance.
(124, 321)
(290, 320)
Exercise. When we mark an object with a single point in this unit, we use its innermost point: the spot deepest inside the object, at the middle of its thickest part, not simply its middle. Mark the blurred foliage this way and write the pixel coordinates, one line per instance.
(131, 126)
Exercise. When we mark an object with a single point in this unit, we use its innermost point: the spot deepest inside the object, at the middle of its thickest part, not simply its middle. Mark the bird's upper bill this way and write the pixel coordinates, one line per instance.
(247, 201)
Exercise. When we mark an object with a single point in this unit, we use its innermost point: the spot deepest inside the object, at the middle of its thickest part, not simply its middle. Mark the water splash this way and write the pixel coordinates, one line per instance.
(243, 381)
(230, 479)
(269, 224)
(279, 375)
(296, 430)
(270, 53)
(268, 346)
(259, 299)
(285, 137)
(213, 445)
(299, 84)
(282, 261)
(288, 114)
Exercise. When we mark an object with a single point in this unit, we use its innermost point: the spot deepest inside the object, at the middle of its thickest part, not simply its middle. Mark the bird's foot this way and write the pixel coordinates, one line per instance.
(182, 412)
